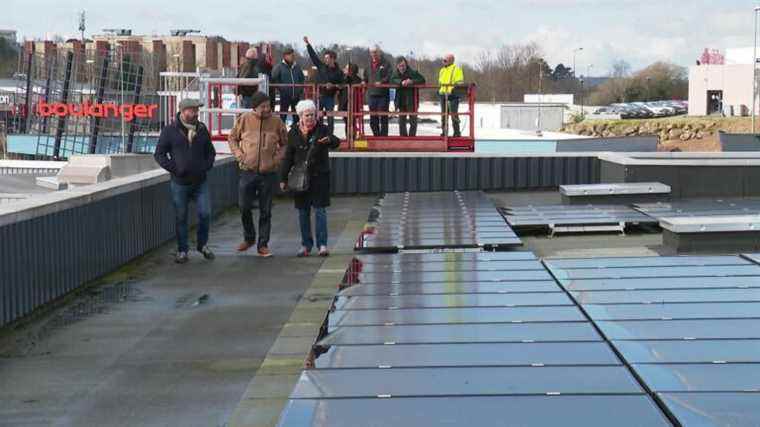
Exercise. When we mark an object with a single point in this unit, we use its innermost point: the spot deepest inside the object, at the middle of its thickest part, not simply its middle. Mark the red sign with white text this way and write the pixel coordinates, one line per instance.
(87, 109)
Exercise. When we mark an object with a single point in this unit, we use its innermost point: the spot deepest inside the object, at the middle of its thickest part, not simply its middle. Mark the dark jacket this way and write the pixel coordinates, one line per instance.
(325, 74)
(405, 95)
(348, 80)
(298, 147)
(251, 70)
(288, 74)
(188, 163)
(380, 76)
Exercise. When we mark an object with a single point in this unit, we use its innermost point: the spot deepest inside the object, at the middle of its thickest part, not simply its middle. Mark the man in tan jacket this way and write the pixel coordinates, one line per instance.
(258, 141)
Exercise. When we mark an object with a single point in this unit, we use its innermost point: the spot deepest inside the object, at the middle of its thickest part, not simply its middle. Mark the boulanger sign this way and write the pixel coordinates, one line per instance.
(5, 99)
(128, 111)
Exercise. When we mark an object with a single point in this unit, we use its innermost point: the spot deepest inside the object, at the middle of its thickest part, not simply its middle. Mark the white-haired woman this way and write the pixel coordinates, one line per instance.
(312, 141)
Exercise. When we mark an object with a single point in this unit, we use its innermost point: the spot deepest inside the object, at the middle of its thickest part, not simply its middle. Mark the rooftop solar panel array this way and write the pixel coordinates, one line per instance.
(462, 339)
(699, 208)
(573, 215)
(688, 327)
(436, 220)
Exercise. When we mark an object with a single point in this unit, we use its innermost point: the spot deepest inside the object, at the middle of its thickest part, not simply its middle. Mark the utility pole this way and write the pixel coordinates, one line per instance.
(754, 72)
(540, 98)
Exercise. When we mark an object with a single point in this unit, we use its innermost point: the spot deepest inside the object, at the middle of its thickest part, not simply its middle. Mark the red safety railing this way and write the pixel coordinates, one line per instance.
(356, 113)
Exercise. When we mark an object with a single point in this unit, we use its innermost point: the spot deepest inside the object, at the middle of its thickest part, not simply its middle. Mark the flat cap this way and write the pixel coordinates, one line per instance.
(189, 103)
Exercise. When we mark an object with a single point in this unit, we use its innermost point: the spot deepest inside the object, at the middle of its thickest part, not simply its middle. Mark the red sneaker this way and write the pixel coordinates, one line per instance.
(265, 252)
(244, 246)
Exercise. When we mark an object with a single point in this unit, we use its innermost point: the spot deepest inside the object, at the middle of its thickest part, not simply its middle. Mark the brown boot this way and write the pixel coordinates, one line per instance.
(244, 246)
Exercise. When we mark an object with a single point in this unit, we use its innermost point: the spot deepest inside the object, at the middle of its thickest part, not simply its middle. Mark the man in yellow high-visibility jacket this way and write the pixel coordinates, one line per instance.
(449, 76)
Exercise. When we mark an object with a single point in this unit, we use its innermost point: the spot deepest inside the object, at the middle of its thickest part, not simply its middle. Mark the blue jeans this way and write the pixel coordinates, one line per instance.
(288, 103)
(327, 103)
(181, 197)
(304, 220)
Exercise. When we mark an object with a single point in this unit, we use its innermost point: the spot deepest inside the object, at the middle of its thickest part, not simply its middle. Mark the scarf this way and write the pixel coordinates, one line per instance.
(192, 130)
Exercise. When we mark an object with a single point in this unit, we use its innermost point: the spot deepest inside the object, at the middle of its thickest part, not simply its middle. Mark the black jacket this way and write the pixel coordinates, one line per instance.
(349, 80)
(325, 74)
(298, 147)
(188, 163)
(288, 74)
(380, 76)
(251, 70)
(405, 95)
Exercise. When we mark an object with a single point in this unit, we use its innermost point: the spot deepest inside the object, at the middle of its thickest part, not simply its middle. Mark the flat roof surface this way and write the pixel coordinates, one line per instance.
(145, 347)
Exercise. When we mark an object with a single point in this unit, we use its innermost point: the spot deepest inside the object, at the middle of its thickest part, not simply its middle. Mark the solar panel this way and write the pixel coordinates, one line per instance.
(534, 216)
(428, 257)
(436, 220)
(452, 276)
(654, 261)
(701, 377)
(755, 258)
(453, 316)
(454, 266)
(698, 351)
(714, 409)
(448, 288)
(657, 283)
(689, 208)
(680, 329)
(461, 333)
(484, 354)
(670, 311)
(481, 411)
(688, 326)
(443, 301)
(657, 272)
(463, 381)
(665, 296)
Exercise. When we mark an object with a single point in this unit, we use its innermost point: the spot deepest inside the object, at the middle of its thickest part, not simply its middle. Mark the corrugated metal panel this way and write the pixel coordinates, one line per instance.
(739, 141)
(46, 257)
(361, 175)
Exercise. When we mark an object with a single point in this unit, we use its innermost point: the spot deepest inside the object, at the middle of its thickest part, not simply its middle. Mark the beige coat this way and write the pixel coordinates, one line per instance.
(258, 145)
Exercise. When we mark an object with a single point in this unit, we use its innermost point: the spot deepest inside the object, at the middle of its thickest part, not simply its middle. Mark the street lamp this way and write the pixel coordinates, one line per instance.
(583, 112)
(754, 71)
(576, 50)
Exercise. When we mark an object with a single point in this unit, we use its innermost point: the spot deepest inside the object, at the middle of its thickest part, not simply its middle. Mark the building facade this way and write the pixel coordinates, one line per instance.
(171, 53)
(724, 88)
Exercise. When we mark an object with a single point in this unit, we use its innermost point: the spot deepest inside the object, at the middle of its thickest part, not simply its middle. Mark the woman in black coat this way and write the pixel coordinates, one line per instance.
(312, 141)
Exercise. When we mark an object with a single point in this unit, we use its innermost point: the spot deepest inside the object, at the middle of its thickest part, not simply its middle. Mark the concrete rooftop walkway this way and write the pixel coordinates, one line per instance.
(144, 347)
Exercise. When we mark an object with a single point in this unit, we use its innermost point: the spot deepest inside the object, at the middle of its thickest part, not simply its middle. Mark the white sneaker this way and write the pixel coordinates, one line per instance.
(323, 251)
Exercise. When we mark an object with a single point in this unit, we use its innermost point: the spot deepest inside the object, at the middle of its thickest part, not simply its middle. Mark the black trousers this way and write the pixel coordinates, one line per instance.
(288, 103)
(379, 124)
(254, 186)
(404, 119)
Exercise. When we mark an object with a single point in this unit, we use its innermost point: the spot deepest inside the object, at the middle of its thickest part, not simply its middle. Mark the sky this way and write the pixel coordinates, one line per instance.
(637, 31)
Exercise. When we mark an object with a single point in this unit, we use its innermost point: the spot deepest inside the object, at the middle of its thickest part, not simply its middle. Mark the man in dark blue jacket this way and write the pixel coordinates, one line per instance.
(185, 150)
(288, 72)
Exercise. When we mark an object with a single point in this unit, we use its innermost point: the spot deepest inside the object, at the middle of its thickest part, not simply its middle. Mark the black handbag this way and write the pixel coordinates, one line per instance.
(298, 177)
